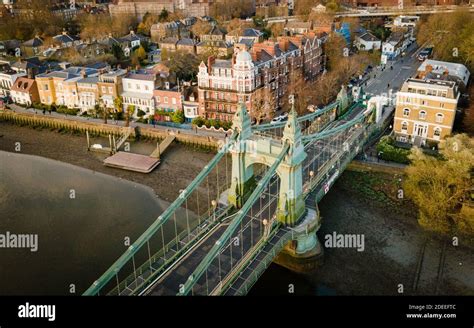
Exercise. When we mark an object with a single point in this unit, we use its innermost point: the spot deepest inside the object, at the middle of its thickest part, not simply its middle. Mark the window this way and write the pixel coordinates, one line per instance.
(129, 85)
(104, 89)
(46, 87)
(173, 101)
(146, 87)
(111, 90)
(404, 127)
(165, 100)
(406, 112)
(422, 115)
(138, 86)
(437, 133)
(439, 118)
(158, 99)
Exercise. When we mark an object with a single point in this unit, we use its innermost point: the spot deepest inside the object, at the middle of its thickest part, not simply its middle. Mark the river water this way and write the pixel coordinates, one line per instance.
(81, 219)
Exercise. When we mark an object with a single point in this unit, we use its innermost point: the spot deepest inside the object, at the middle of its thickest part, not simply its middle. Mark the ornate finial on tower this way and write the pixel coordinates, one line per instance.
(292, 131)
(241, 122)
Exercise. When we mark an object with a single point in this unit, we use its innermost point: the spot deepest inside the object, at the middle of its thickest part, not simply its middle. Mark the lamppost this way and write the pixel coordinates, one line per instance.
(214, 205)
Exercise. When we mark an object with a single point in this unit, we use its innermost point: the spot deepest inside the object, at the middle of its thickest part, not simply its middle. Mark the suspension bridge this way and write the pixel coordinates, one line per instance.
(256, 197)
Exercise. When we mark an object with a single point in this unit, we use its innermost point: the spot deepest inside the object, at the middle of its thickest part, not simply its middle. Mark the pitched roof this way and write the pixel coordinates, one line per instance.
(251, 32)
(247, 41)
(65, 38)
(90, 80)
(132, 36)
(369, 37)
(35, 42)
(216, 30)
(23, 84)
(186, 42)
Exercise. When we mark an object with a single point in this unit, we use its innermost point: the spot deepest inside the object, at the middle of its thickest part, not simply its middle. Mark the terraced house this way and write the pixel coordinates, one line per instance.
(60, 87)
(138, 91)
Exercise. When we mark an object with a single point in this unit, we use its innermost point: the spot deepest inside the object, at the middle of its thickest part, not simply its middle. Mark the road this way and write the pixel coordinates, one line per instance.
(403, 68)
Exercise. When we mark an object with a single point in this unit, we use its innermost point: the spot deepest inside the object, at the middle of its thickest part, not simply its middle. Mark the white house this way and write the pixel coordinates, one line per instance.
(367, 41)
(394, 45)
(406, 21)
(138, 90)
(436, 69)
(24, 91)
(190, 103)
(7, 79)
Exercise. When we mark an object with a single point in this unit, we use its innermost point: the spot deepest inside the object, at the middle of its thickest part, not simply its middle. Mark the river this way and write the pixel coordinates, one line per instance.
(81, 219)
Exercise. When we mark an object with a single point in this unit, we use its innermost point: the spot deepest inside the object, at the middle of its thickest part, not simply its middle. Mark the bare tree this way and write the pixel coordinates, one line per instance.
(263, 105)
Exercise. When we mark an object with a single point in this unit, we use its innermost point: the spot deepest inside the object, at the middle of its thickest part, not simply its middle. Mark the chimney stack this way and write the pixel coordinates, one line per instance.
(210, 61)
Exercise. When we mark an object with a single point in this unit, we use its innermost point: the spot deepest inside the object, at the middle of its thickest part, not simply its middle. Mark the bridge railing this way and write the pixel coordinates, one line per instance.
(208, 274)
(171, 235)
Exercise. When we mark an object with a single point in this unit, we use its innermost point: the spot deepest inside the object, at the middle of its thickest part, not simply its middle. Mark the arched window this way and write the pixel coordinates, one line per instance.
(439, 118)
(406, 112)
(422, 115)
(404, 127)
(437, 132)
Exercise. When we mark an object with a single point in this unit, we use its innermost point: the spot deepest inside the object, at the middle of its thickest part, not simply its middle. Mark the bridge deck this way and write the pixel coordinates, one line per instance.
(252, 229)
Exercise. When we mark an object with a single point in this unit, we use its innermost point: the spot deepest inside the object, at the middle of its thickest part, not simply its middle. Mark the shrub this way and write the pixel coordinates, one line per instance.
(198, 121)
(141, 113)
(389, 152)
(178, 116)
(65, 110)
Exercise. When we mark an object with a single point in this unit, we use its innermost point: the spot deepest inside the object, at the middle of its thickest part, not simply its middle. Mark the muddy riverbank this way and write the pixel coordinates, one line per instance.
(179, 166)
(391, 261)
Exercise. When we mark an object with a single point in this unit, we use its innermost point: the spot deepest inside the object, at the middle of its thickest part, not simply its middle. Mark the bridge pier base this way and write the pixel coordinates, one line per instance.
(303, 254)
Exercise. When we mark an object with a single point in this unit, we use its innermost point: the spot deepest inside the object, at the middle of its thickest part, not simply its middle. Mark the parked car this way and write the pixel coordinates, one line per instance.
(425, 54)
(276, 120)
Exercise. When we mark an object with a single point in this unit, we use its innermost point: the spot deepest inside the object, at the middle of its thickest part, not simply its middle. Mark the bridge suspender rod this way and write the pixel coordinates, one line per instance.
(215, 251)
(307, 117)
(331, 132)
(164, 217)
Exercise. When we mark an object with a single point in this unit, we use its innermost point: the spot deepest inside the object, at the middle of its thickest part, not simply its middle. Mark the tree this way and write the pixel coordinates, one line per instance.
(102, 111)
(327, 87)
(178, 116)
(336, 49)
(304, 7)
(182, 63)
(141, 53)
(118, 106)
(438, 186)
(226, 10)
(451, 35)
(163, 17)
(128, 114)
(277, 29)
(200, 28)
(263, 105)
(145, 26)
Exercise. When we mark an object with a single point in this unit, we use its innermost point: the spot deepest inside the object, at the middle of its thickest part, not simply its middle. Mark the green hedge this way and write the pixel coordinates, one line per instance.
(199, 121)
(68, 111)
(389, 152)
